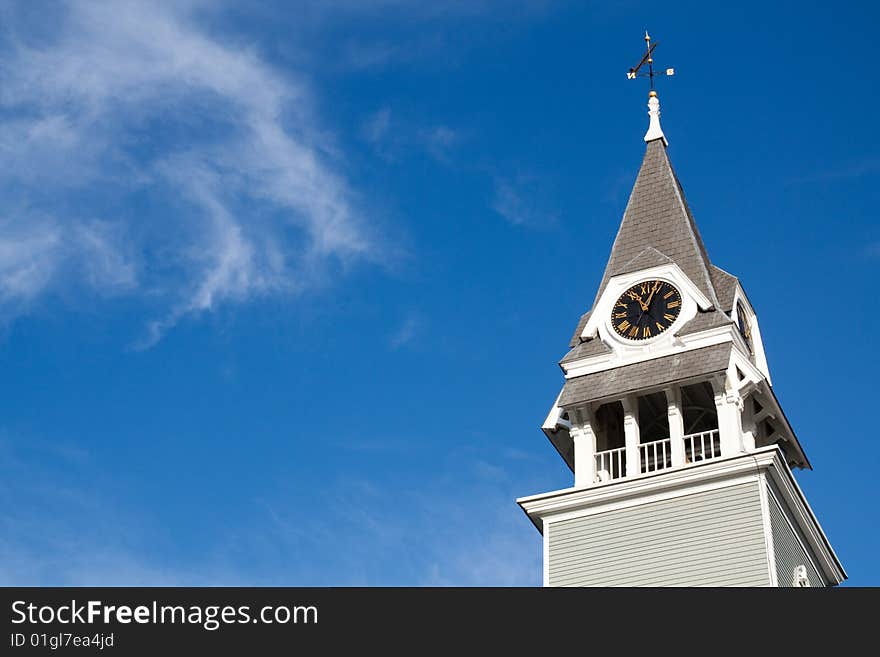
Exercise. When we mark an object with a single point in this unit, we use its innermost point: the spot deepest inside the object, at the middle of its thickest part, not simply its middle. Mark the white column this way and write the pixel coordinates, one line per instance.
(729, 406)
(676, 425)
(748, 425)
(631, 435)
(584, 437)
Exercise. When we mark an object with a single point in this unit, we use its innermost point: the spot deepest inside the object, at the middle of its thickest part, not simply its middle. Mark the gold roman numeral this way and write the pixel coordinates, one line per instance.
(623, 325)
(673, 304)
(659, 326)
(668, 317)
(669, 294)
(619, 315)
(633, 332)
(646, 332)
(621, 304)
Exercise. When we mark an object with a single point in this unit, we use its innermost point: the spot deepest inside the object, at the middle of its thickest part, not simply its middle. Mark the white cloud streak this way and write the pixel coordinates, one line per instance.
(130, 104)
(407, 331)
(519, 202)
(392, 138)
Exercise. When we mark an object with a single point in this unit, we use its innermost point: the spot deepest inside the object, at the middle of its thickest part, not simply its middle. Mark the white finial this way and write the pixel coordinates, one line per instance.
(654, 129)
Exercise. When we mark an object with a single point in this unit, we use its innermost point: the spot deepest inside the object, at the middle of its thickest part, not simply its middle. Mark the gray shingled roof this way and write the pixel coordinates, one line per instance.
(620, 381)
(595, 347)
(592, 347)
(657, 216)
(703, 321)
(657, 227)
(650, 257)
(582, 322)
(725, 287)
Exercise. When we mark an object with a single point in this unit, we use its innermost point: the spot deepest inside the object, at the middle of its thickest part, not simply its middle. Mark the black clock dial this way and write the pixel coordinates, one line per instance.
(743, 321)
(646, 310)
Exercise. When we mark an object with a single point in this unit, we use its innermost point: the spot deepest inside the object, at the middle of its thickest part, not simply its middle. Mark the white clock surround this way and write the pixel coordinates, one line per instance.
(691, 300)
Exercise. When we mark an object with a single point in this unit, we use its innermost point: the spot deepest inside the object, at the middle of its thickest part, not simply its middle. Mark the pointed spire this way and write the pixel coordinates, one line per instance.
(654, 129)
(657, 223)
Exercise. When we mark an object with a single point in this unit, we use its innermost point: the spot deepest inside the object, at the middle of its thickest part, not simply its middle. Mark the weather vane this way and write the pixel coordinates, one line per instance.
(648, 59)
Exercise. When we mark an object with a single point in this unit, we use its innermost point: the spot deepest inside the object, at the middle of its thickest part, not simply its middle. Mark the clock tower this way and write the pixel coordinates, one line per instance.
(681, 453)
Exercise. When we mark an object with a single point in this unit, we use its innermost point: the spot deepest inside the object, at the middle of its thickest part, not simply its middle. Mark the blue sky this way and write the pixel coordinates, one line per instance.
(283, 285)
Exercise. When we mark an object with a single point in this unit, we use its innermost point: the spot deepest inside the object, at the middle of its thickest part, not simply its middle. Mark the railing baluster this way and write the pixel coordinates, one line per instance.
(612, 462)
(655, 455)
(702, 446)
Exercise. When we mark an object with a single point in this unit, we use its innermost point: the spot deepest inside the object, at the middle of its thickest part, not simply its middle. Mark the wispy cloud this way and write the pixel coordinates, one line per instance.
(157, 159)
(449, 529)
(394, 33)
(392, 138)
(843, 171)
(439, 141)
(455, 525)
(519, 201)
(872, 250)
(376, 126)
(39, 251)
(407, 332)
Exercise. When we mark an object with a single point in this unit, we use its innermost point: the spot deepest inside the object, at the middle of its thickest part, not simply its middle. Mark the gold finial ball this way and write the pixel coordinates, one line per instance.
(652, 94)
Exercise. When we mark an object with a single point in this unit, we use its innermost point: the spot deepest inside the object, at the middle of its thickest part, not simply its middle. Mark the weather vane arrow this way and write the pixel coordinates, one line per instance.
(648, 58)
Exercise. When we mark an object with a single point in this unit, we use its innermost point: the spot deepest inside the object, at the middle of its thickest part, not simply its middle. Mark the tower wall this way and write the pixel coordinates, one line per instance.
(788, 545)
(712, 537)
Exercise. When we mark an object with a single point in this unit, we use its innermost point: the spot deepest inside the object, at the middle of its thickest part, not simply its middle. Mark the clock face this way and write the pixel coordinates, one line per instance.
(646, 310)
(743, 321)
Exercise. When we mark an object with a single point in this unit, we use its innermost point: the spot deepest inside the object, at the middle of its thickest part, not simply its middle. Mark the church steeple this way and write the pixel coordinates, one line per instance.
(669, 421)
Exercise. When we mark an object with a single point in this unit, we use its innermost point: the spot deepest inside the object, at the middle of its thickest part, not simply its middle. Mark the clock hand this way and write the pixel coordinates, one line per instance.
(653, 290)
(646, 310)
(637, 297)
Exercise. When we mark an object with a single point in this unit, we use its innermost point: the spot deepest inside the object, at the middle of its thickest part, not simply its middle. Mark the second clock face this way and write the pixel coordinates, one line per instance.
(646, 310)
(743, 321)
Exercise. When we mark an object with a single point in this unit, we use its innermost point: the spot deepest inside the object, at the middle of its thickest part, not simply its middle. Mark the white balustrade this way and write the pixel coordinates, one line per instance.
(656, 455)
(702, 446)
(610, 464)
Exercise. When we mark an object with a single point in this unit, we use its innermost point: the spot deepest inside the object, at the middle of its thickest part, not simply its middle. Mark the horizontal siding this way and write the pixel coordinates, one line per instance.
(787, 550)
(712, 538)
